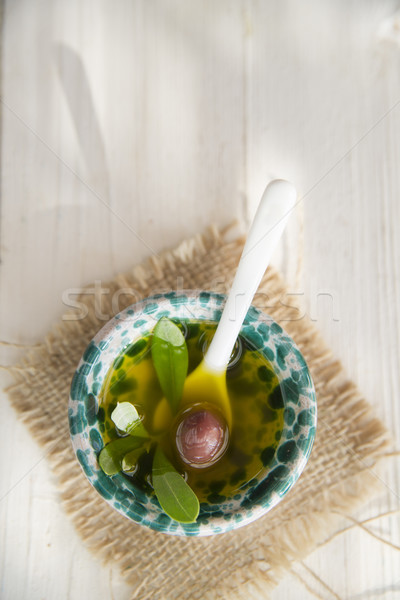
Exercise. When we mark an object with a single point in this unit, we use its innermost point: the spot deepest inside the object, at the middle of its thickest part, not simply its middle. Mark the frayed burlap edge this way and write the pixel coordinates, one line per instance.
(248, 563)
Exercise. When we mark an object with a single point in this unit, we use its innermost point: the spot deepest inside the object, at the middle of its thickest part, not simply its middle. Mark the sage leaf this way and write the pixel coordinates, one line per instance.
(111, 456)
(176, 497)
(170, 359)
(126, 418)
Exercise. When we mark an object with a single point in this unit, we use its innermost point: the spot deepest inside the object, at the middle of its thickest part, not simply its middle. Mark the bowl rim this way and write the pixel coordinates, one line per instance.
(291, 453)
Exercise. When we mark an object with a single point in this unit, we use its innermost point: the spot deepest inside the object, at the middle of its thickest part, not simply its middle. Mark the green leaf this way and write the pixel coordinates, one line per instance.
(110, 458)
(176, 497)
(138, 430)
(170, 359)
(129, 461)
(125, 417)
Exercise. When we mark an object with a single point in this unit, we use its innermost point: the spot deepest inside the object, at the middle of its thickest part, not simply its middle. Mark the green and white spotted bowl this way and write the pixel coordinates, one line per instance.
(290, 455)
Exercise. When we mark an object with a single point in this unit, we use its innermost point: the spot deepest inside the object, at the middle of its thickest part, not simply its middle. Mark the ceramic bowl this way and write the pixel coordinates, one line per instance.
(291, 453)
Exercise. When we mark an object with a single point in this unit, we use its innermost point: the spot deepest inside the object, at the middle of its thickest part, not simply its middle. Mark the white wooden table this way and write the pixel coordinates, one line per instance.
(129, 125)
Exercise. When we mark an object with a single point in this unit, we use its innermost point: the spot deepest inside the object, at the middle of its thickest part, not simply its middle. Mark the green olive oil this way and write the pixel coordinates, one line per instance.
(257, 413)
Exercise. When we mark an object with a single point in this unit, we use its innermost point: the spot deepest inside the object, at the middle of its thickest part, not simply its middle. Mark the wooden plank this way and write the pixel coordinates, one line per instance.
(128, 126)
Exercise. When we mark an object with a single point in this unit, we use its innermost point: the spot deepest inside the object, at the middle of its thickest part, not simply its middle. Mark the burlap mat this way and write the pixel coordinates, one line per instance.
(241, 564)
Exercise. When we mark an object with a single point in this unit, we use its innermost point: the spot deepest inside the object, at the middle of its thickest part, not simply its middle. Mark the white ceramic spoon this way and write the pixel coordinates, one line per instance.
(207, 383)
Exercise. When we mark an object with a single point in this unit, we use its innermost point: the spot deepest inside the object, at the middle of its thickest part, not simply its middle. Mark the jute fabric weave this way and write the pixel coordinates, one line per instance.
(246, 563)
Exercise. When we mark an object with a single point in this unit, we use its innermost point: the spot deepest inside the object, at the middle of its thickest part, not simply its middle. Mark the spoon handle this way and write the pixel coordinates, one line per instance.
(269, 222)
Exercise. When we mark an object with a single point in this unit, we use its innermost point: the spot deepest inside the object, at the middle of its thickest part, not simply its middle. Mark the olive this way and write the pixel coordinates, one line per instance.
(201, 438)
